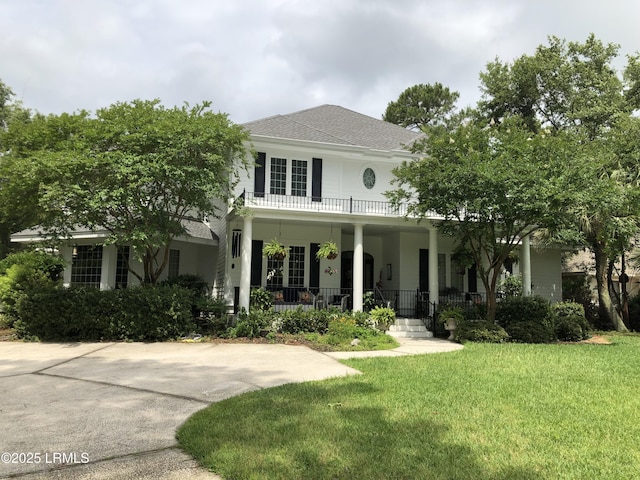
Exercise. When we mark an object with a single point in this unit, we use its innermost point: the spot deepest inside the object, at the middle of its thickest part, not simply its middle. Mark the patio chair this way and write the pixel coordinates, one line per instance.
(318, 302)
(344, 303)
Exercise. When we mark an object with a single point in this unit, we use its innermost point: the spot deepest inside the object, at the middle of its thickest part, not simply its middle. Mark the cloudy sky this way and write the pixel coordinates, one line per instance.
(257, 58)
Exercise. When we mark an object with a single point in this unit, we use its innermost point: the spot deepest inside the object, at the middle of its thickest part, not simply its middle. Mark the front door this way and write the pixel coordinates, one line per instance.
(346, 277)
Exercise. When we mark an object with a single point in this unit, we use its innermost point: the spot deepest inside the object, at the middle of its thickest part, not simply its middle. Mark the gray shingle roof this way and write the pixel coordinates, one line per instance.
(336, 125)
(195, 229)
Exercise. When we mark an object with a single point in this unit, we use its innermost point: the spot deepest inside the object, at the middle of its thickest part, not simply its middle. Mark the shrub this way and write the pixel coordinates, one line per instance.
(511, 286)
(153, 313)
(50, 265)
(565, 309)
(301, 321)
(368, 301)
(383, 317)
(517, 309)
(22, 274)
(526, 319)
(141, 313)
(189, 281)
(261, 300)
(570, 322)
(478, 311)
(67, 314)
(570, 328)
(344, 329)
(480, 331)
(576, 289)
(530, 331)
(252, 324)
(211, 315)
(362, 318)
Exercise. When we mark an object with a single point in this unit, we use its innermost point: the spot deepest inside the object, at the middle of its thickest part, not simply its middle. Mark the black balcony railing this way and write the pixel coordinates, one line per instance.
(321, 204)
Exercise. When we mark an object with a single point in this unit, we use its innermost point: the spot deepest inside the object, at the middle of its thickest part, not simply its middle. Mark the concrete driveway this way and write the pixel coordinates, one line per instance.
(111, 410)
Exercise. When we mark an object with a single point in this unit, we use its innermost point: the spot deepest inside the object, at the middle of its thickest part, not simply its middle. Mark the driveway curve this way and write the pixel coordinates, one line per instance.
(111, 410)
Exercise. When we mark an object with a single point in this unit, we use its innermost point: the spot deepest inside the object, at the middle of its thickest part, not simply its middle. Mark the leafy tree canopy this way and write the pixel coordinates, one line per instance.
(490, 184)
(574, 87)
(18, 181)
(421, 105)
(137, 170)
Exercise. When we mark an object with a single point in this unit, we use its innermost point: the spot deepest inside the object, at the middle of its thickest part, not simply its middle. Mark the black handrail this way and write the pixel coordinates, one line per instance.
(324, 204)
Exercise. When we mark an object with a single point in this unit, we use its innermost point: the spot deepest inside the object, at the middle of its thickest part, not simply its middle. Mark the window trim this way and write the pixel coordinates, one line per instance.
(86, 265)
(278, 179)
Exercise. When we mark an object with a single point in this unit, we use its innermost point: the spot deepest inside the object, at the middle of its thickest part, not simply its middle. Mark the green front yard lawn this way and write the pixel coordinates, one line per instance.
(490, 411)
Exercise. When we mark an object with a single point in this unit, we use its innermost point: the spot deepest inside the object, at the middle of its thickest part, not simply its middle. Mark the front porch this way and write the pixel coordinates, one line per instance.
(382, 253)
(407, 304)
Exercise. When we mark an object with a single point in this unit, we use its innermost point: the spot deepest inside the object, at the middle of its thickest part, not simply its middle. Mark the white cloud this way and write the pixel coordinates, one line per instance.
(255, 58)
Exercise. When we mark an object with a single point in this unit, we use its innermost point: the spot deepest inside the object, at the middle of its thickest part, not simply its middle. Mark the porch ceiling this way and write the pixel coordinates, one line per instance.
(346, 226)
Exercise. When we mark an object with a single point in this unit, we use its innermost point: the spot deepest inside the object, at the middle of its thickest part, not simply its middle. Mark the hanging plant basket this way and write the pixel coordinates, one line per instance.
(274, 249)
(327, 250)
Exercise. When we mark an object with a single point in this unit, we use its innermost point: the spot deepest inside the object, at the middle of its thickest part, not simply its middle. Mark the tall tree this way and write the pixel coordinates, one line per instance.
(138, 170)
(6, 94)
(573, 88)
(18, 179)
(421, 105)
(492, 185)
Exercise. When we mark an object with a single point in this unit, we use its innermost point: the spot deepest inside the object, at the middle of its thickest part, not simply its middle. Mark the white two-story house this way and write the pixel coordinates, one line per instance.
(321, 175)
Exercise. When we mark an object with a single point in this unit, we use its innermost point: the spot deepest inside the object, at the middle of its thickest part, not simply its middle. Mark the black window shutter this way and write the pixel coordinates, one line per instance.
(316, 180)
(314, 268)
(472, 281)
(256, 263)
(259, 174)
(423, 272)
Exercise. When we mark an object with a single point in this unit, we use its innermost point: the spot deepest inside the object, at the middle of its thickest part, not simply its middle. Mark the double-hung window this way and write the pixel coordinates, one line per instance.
(274, 273)
(296, 267)
(174, 263)
(299, 178)
(278, 176)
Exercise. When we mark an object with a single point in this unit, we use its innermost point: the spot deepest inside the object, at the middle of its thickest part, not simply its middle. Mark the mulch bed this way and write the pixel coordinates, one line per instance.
(597, 340)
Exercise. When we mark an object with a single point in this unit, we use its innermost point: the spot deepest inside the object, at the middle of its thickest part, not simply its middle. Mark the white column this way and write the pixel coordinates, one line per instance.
(108, 272)
(434, 287)
(526, 266)
(358, 268)
(228, 261)
(245, 264)
(67, 254)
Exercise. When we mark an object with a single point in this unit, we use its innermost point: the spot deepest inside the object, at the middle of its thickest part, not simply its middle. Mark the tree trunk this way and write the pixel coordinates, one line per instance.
(5, 242)
(607, 308)
(490, 289)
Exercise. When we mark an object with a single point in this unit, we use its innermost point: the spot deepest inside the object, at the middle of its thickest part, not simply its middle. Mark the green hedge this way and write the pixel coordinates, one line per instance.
(480, 331)
(139, 314)
(526, 319)
(304, 321)
(570, 322)
(23, 273)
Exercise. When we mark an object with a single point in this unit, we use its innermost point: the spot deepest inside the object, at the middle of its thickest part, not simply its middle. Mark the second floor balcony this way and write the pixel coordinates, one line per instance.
(347, 206)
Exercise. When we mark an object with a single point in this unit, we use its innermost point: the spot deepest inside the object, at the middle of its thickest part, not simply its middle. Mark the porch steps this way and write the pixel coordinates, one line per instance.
(409, 328)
